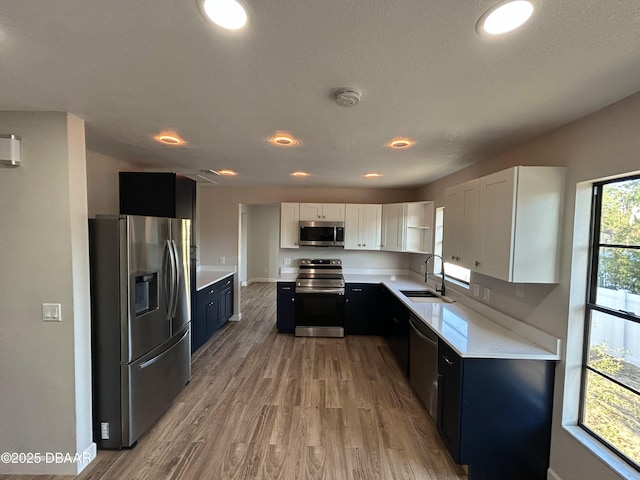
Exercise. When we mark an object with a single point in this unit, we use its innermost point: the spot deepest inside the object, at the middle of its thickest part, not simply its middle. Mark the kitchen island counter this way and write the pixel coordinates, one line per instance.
(206, 276)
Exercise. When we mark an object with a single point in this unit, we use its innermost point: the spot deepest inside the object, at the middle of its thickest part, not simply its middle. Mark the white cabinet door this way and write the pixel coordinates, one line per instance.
(371, 226)
(333, 212)
(310, 212)
(362, 227)
(498, 201)
(452, 225)
(322, 212)
(460, 237)
(352, 233)
(289, 218)
(470, 199)
(393, 227)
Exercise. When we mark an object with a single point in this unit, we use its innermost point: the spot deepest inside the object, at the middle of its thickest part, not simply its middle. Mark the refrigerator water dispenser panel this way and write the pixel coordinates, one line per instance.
(146, 293)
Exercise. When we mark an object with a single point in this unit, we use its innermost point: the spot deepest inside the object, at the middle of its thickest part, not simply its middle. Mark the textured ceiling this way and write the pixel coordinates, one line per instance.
(132, 69)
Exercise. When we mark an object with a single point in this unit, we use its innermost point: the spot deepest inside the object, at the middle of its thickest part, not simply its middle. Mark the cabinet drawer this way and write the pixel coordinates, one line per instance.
(207, 295)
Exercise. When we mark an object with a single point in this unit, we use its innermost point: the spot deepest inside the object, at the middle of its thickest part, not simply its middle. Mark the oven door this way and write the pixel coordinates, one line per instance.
(319, 314)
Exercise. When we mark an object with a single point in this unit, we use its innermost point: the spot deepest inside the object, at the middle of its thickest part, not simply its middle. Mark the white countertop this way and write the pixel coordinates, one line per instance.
(470, 333)
(206, 276)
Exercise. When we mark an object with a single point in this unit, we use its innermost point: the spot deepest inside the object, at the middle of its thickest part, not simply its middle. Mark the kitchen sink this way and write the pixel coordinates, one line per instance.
(418, 293)
(423, 296)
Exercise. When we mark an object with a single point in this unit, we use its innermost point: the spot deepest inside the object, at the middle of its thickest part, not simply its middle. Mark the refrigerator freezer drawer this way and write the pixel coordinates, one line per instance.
(150, 385)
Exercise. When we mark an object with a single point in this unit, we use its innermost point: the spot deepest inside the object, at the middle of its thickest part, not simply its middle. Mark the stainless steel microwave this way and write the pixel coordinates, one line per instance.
(321, 234)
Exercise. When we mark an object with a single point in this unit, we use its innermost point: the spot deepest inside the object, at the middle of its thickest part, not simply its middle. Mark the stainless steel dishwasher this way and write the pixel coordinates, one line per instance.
(423, 364)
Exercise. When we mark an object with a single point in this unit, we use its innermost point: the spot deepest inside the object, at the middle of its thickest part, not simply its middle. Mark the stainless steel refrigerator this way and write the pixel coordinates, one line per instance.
(141, 342)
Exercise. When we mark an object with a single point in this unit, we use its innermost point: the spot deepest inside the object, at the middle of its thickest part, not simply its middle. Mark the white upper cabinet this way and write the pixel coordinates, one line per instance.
(289, 218)
(520, 217)
(362, 227)
(506, 225)
(322, 212)
(461, 222)
(408, 227)
(393, 222)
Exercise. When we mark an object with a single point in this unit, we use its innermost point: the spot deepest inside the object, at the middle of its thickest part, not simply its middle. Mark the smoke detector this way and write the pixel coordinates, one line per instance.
(347, 97)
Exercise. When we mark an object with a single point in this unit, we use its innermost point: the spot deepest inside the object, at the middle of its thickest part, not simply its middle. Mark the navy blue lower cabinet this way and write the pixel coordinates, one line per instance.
(494, 415)
(396, 329)
(226, 300)
(205, 322)
(363, 309)
(285, 320)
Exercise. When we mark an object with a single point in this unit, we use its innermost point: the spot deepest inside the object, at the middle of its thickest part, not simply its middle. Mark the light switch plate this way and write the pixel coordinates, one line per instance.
(476, 290)
(51, 312)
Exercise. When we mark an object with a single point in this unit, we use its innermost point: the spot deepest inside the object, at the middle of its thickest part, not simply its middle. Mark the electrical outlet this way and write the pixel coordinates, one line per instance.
(423, 268)
(519, 290)
(287, 261)
(223, 259)
(486, 295)
(476, 290)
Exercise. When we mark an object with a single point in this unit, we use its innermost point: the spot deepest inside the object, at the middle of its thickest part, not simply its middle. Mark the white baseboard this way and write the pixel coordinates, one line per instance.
(263, 280)
(89, 454)
(551, 475)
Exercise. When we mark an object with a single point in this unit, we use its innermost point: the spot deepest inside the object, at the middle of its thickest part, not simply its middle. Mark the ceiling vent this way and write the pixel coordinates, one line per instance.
(347, 97)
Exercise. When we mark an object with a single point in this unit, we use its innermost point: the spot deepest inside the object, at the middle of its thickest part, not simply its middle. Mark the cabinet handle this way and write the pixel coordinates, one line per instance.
(295, 243)
(356, 289)
(364, 244)
(211, 304)
(477, 263)
(286, 288)
(293, 299)
(359, 244)
(447, 361)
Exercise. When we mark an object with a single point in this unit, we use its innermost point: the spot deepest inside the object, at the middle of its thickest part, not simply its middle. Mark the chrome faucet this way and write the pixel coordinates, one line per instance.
(426, 271)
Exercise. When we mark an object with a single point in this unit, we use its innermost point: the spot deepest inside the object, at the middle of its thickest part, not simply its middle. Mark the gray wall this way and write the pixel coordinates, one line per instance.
(45, 368)
(601, 145)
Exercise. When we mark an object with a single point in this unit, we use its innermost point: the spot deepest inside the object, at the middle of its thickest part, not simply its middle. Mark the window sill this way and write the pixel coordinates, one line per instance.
(455, 281)
(619, 466)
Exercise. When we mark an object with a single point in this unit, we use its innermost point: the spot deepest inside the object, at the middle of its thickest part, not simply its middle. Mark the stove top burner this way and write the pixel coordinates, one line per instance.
(318, 275)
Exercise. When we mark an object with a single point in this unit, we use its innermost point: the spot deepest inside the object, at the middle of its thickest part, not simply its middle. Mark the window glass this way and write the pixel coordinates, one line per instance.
(613, 413)
(610, 408)
(614, 348)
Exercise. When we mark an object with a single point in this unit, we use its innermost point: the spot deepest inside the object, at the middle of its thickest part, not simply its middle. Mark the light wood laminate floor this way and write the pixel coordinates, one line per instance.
(271, 406)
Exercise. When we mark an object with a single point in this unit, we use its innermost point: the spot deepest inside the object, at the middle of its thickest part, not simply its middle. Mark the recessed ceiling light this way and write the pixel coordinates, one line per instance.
(373, 175)
(228, 14)
(401, 143)
(299, 174)
(227, 173)
(283, 140)
(505, 17)
(169, 138)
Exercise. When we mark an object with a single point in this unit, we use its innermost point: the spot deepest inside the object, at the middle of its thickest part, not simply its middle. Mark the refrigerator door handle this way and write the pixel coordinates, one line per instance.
(169, 278)
(176, 282)
(153, 360)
